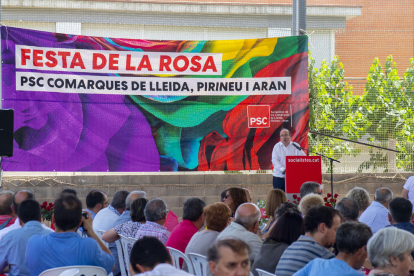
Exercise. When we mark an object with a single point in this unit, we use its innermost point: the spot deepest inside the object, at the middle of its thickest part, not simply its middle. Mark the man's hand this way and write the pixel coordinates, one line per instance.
(87, 225)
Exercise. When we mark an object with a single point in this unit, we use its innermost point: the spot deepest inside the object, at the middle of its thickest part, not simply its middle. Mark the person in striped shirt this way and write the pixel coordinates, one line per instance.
(321, 223)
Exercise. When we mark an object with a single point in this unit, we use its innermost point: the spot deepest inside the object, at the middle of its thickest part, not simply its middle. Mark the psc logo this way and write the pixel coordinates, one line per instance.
(258, 116)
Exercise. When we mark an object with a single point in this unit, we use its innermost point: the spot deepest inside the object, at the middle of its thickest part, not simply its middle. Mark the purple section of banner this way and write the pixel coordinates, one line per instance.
(71, 132)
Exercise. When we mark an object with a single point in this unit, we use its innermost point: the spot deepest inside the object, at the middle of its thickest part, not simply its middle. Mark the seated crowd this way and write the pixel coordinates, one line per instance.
(308, 238)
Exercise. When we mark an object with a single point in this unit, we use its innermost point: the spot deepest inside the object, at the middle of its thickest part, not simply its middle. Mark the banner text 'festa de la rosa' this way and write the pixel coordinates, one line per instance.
(101, 104)
(121, 62)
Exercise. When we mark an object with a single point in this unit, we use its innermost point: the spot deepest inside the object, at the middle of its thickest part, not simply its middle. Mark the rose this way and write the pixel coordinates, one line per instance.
(298, 199)
(47, 208)
(295, 196)
(44, 204)
(332, 200)
(51, 204)
(328, 195)
(325, 199)
(335, 195)
(328, 204)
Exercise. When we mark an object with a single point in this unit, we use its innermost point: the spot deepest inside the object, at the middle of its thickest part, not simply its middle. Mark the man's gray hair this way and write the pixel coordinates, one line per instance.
(309, 187)
(348, 208)
(383, 195)
(118, 200)
(155, 209)
(387, 242)
(128, 201)
(247, 221)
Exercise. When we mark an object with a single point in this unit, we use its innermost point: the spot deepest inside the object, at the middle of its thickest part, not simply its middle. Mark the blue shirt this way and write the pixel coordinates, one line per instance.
(13, 245)
(407, 226)
(124, 217)
(92, 213)
(375, 216)
(65, 249)
(321, 267)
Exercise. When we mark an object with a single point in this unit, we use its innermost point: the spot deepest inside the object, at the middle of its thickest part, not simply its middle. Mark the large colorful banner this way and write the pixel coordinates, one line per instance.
(102, 104)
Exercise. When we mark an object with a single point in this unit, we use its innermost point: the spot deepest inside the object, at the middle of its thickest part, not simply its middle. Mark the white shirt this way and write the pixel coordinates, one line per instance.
(375, 216)
(16, 225)
(409, 186)
(164, 270)
(279, 154)
(104, 220)
(235, 230)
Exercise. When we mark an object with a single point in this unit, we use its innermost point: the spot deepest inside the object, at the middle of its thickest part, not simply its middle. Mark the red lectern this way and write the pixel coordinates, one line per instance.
(300, 169)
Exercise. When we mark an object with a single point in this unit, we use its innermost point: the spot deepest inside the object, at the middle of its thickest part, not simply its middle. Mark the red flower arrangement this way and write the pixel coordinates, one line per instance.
(296, 199)
(47, 210)
(330, 200)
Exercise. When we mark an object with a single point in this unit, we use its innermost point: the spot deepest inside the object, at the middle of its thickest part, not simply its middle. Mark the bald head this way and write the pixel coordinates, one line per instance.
(19, 197)
(248, 215)
(6, 199)
(132, 196)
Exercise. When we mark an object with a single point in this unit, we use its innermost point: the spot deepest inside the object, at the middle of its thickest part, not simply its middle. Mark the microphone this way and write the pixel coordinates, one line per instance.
(296, 146)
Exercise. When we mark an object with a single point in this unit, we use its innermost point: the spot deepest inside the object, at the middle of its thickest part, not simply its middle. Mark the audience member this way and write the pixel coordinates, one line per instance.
(149, 257)
(310, 187)
(376, 215)
(7, 216)
(274, 199)
(223, 195)
(389, 252)
(309, 201)
(348, 208)
(65, 247)
(285, 207)
(234, 198)
(287, 230)
(95, 202)
(193, 220)
(217, 216)
(128, 229)
(106, 219)
(244, 227)
(361, 196)
(126, 215)
(155, 215)
(408, 190)
(321, 223)
(400, 215)
(351, 239)
(69, 191)
(17, 198)
(248, 195)
(229, 257)
(13, 245)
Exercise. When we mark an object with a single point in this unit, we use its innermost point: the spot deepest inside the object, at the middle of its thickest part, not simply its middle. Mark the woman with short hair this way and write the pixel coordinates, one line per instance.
(389, 252)
(217, 217)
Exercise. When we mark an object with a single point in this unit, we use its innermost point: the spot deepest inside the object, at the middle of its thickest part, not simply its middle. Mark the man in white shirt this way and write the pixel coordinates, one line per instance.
(376, 215)
(149, 257)
(105, 219)
(282, 149)
(244, 228)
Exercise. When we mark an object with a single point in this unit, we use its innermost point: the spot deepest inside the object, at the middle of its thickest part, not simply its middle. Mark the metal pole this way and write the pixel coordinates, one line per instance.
(298, 17)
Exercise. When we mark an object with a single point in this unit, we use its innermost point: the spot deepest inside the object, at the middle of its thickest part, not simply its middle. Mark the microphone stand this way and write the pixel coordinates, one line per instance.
(331, 160)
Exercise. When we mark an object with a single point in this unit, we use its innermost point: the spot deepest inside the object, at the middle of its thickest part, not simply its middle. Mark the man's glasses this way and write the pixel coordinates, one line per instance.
(226, 196)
